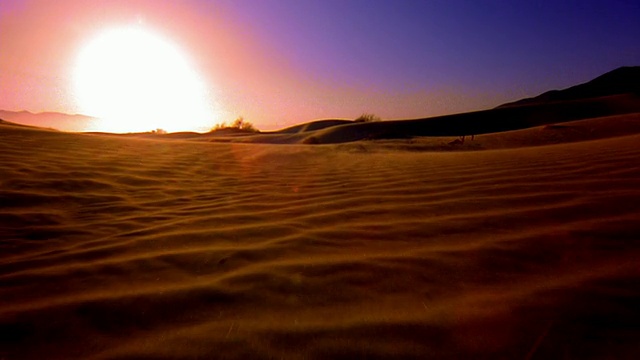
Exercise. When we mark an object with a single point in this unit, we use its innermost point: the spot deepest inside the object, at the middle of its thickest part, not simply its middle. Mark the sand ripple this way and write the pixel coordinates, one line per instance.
(125, 248)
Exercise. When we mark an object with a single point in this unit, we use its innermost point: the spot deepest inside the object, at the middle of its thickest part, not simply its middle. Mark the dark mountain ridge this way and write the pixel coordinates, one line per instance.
(623, 80)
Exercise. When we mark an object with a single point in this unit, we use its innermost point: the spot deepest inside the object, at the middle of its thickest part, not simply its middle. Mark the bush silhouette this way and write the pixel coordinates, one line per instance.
(367, 118)
(238, 124)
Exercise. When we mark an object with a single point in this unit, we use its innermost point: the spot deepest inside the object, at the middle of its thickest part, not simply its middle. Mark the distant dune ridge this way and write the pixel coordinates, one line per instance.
(53, 120)
(183, 246)
(614, 93)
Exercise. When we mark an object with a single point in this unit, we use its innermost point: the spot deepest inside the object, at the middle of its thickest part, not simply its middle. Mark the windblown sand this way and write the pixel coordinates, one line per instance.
(127, 248)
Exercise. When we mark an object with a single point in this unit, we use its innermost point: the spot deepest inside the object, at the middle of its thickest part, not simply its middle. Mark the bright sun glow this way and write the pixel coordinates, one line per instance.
(135, 81)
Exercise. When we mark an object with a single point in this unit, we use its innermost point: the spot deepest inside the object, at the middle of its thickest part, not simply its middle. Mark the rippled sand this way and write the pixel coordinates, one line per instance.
(127, 248)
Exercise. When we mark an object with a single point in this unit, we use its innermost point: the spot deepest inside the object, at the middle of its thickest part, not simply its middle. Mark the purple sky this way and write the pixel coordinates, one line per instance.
(280, 62)
(476, 46)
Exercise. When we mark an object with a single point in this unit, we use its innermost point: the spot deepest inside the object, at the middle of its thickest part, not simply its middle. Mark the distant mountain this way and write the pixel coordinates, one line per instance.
(623, 80)
(52, 120)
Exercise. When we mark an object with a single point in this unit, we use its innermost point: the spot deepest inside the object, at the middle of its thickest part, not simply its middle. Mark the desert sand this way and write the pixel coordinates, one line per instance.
(123, 248)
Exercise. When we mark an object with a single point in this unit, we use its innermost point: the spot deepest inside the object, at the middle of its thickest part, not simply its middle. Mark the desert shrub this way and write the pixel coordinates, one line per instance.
(220, 126)
(367, 118)
(240, 124)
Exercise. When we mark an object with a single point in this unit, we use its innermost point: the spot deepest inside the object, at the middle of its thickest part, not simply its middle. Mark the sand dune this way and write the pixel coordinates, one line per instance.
(614, 93)
(115, 247)
(558, 133)
(509, 118)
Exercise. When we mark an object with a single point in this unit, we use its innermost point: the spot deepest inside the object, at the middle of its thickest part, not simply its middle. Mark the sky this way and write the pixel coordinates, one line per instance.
(282, 62)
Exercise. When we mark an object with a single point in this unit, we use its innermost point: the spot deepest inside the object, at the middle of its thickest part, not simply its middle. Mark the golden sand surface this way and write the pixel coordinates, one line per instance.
(125, 248)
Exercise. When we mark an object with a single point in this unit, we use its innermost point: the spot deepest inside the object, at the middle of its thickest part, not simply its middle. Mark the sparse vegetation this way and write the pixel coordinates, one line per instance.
(159, 131)
(220, 126)
(367, 118)
(241, 124)
(238, 124)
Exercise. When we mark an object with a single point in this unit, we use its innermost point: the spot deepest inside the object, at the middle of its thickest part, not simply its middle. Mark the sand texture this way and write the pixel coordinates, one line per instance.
(125, 248)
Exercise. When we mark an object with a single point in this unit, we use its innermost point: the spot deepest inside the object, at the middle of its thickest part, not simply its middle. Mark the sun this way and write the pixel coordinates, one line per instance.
(134, 80)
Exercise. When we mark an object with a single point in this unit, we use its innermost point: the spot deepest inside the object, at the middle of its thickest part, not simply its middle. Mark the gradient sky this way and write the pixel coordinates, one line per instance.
(281, 62)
